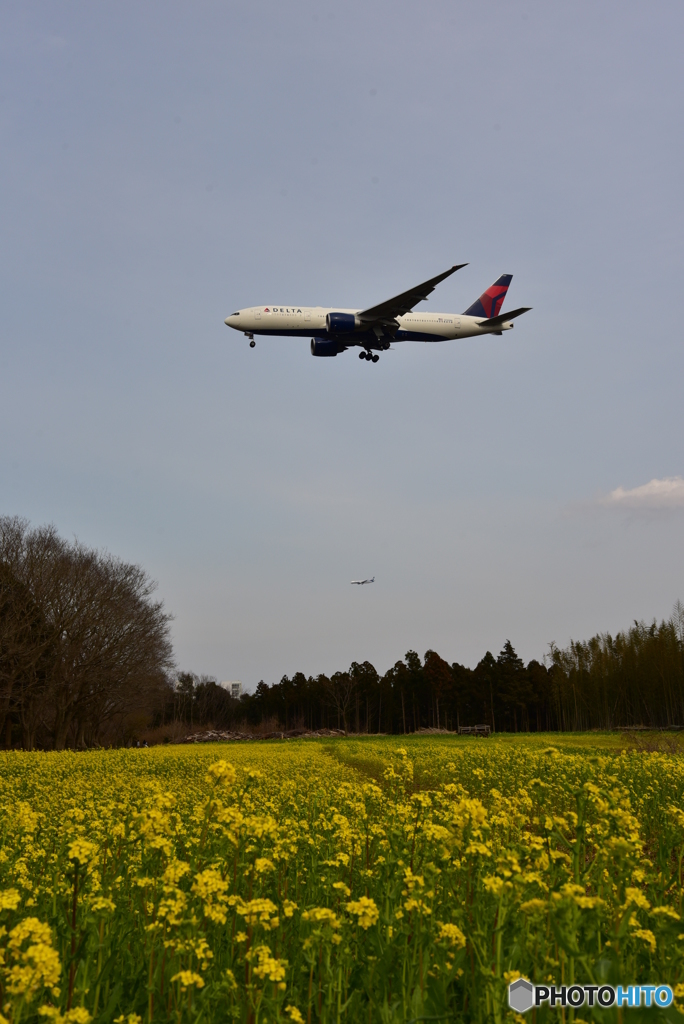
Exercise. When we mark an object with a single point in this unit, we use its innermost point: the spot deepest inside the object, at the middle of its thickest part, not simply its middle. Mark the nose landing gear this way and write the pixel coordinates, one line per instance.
(252, 342)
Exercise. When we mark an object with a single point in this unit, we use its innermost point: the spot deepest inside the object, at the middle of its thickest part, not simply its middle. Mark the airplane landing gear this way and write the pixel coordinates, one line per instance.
(252, 342)
(369, 356)
(375, 358)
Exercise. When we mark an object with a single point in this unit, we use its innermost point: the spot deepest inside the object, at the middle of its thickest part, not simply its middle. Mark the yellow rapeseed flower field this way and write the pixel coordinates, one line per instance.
(344, 880)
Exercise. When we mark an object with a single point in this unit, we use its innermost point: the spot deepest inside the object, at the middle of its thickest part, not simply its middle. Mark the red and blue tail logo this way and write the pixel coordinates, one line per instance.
(491, 301)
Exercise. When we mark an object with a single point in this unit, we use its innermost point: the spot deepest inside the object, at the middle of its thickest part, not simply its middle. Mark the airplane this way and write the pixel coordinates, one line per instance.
(373, 330)
(360, 583)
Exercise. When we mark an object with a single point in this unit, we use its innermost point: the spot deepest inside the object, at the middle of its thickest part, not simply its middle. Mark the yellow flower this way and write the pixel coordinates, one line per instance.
(185, 845)
(637, 898)
(365, 910)
(294, 1015)
(418, 905)
(262, 865)
(259, 910)
(221, 773)
(452, 934)
(81, 850)
(188, 979)
(174, 872)
(9, 899)
(577, 894)
(479, 848)
(101, 904)
(321, 915)
(533, 906)
(493, 884)
(33, 963)
(267, 966)
(665, 912)
(510, 976)
(212, 889)
(77, 1015)
(646, 936)
(413, 881)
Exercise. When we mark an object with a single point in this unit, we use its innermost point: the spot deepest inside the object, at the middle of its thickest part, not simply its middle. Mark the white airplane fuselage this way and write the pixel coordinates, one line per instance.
(311, 322)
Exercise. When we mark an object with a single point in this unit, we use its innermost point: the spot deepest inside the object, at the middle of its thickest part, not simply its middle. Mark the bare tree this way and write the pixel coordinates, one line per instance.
(93, 644)
(24, 658)
(340, 689)
(26, 641)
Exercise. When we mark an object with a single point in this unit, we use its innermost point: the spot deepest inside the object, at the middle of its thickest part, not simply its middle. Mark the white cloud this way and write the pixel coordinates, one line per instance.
(666, 493)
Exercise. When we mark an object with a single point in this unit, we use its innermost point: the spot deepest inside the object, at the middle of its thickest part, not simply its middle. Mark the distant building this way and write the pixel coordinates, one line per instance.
(233, 688)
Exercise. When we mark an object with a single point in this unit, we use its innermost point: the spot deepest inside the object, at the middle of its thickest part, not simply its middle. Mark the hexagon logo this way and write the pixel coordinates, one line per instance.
(521, 995)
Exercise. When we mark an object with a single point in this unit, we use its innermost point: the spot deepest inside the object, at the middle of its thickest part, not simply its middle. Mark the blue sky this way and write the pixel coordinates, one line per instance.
(163, 164)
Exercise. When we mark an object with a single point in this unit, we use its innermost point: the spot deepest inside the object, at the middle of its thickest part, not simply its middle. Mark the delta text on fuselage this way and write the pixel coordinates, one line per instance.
(333, 330)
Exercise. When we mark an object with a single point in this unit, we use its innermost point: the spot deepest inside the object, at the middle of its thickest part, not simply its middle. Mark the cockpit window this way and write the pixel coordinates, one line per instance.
(236, 314)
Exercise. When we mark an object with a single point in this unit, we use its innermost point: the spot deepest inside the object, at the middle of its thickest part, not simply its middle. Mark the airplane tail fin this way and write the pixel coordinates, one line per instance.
(490, 302)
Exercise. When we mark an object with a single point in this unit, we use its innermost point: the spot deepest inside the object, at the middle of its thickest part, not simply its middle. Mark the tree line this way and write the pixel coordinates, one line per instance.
(635, 678)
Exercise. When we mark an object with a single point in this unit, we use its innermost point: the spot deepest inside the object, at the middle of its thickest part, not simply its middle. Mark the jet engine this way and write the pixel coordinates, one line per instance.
(340, 323)
(326, 347)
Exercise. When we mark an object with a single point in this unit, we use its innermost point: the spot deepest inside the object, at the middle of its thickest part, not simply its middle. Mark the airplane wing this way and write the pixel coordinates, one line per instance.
(503, 318)
(405, 302)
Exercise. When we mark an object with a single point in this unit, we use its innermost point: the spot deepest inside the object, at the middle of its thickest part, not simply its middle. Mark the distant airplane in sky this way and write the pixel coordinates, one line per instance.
(360, 583)
(372, 330)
